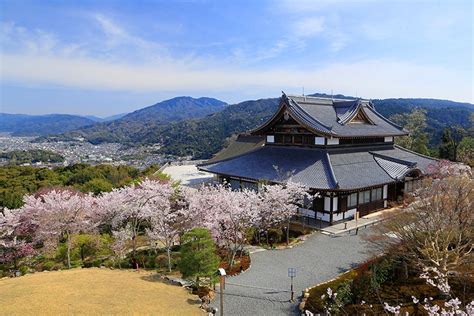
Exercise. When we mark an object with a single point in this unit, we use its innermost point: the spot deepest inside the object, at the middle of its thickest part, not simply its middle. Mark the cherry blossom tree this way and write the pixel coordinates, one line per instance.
(227, 214)
(279, 203)
(120, 244)
(133, 207)
(12, 246)
(60, 214)
(170, 218)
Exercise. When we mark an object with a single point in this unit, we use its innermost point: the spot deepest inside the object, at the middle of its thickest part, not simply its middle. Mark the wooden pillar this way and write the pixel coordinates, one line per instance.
(331, 208)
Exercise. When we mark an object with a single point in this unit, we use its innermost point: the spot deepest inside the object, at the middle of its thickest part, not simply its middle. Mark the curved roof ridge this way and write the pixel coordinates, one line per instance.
(331, 170)
(311, 118)
(392, 159)
(396, 174)
(353, 111)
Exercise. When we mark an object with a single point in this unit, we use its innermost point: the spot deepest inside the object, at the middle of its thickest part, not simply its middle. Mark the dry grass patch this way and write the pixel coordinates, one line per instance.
(94, 292)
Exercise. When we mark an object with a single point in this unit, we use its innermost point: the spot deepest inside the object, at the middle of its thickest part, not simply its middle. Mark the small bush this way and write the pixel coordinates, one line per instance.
(47, 266)
(24, 270)
(275, 235)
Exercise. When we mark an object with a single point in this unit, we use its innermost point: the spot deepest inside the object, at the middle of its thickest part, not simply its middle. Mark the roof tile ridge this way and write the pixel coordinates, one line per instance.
(376, 161)
(316, 120)
(331, 170)
(392, 159)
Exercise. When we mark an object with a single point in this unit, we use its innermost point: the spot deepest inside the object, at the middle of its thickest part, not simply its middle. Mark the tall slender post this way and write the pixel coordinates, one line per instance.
(222, 294)
(292, 274)
(222, 274)
(292, 292)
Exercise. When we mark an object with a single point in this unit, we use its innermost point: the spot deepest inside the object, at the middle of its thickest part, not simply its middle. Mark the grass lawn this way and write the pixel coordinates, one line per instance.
(94, 291)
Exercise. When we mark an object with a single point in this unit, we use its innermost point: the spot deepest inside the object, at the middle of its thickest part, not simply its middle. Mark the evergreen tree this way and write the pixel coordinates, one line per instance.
(198, 255)
(450, 141)
(446, 149)
(415, 123)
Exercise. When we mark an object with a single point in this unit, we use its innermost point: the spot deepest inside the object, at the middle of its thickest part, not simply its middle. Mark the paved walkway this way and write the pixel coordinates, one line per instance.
(264, 288)
(363, 222)
(188, 175)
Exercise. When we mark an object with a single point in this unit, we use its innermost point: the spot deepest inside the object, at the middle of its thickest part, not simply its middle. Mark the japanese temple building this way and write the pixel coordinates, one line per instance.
(342, 150)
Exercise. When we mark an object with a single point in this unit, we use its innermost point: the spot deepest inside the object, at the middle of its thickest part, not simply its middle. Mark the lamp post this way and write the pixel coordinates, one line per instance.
(222, 274)
(292, 274)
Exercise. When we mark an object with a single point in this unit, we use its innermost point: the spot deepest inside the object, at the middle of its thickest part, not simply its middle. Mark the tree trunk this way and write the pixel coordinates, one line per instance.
(168, 252)
(134, 245)
(68, 241)
(288, 232)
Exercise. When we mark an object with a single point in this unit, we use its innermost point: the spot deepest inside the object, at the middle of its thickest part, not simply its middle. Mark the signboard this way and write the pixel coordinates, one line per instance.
(291, 272)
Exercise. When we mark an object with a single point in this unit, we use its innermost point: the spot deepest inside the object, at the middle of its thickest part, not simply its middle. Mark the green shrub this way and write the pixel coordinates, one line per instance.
(24, 270)
(275, 235)
(48, 265)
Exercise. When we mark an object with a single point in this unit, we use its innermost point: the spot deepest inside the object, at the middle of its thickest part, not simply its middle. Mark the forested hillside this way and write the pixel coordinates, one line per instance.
(135, 127)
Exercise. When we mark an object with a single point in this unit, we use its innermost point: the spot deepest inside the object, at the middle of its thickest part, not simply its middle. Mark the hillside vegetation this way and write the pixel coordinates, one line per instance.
(136, 127)
(18, 157)
(16, 181)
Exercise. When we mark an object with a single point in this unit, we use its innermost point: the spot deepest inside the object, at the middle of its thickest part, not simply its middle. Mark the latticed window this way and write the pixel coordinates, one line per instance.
(376, 194)
(352, 200)
(364, 197)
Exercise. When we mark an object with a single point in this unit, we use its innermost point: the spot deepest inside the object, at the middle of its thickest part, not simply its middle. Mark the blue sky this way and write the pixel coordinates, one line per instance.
(108, 57)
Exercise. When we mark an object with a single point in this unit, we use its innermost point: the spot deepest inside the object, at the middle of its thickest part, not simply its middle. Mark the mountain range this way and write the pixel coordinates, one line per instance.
(199, 127)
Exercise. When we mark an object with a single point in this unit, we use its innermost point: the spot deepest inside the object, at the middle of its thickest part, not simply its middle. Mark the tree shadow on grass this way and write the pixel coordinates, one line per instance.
(195, 301)
(152, 278)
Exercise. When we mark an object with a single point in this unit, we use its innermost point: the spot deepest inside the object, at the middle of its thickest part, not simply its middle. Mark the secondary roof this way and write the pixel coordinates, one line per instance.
(324, 169)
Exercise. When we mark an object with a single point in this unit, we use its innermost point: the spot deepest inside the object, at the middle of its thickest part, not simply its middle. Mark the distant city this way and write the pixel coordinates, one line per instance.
(79, 151)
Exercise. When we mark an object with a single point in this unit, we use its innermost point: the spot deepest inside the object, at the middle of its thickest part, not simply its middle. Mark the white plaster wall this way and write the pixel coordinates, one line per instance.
(327, 203)
(306, 212)
(333, 141)
(385, 191)
(319, 140)
(388, 139)
(323, 216)
(338, 216)
(350, 213)
(270, 138)
(334, 203)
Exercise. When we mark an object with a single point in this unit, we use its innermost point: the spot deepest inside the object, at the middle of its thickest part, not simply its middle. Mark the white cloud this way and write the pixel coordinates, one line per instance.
(36, 57)
(308, 26)
(371, 78)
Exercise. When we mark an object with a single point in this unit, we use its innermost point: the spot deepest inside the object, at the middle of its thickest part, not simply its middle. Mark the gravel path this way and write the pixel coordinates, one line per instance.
(263, 289)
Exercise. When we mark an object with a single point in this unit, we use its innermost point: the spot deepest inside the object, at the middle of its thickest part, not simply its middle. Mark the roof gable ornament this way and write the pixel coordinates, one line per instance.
(355, 115)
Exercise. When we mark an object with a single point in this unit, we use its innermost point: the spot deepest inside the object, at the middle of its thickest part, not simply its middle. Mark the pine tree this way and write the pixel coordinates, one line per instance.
(198, 255)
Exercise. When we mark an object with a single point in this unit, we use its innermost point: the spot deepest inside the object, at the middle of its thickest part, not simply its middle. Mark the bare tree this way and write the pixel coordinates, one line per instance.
(437, 229)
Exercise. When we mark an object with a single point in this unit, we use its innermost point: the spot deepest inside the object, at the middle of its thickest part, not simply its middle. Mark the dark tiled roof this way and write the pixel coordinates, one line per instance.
(421, 162)
(239, 146)
(308, 167)
(355, 170)
(333, 117)
(338, 169)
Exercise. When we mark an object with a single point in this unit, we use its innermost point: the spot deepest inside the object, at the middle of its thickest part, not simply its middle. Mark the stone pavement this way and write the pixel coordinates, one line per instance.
(264, 288)
(363, 222)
